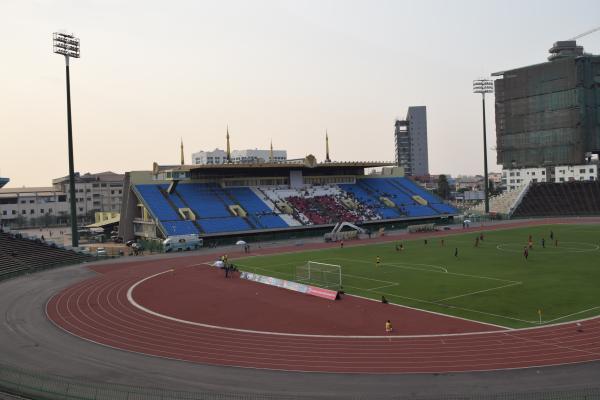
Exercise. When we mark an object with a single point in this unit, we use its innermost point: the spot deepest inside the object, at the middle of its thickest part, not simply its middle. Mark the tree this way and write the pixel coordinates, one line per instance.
(492, 189)
(443, 187)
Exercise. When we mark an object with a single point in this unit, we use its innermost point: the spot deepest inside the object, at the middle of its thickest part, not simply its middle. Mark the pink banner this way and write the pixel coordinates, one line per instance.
(295, 286)
(324, 293)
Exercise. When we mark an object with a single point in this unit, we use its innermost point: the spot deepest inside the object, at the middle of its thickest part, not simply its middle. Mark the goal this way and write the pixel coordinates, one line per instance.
(315, 273)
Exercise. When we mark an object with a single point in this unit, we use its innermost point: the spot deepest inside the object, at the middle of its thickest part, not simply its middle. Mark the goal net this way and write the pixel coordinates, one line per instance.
(324, 275)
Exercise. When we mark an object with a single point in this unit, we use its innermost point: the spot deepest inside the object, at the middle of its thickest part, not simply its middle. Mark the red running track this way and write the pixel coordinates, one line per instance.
(98, 310)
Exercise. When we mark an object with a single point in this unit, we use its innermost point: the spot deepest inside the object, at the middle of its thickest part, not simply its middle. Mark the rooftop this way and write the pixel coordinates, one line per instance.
(33, 190)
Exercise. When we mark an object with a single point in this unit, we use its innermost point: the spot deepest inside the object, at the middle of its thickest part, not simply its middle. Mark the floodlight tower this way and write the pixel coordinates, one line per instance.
(68, 45)
(484, 86)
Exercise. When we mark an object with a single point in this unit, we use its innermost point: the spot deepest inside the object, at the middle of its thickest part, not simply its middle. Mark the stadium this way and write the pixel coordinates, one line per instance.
(466, 306)
(264, 278)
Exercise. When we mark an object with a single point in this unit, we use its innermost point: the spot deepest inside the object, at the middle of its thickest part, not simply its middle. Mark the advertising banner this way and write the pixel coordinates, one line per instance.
(295, 286)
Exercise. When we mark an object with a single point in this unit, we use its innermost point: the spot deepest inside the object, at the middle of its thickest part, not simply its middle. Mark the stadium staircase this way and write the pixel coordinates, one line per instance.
(19, 255)
(287, 218)
(177, 202)
(504, 203)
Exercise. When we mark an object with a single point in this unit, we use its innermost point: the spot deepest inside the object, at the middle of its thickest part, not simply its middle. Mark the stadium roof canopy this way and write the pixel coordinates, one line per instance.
(308, 166)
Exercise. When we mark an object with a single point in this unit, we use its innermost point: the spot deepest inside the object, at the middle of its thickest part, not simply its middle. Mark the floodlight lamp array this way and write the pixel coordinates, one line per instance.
(483, 86)
(65, 44)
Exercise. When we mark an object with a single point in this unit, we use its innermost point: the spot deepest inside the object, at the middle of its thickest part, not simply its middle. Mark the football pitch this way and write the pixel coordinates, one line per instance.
(491, 282)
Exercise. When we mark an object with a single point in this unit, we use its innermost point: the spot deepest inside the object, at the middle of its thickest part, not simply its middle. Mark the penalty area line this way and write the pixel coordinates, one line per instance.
(480, 291)
(570, 315)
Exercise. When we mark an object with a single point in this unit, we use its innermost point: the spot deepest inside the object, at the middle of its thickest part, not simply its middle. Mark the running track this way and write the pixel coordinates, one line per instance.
(98, 310)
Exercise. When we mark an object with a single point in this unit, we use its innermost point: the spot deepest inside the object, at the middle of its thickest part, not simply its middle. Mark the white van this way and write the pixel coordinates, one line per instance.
(182, 242)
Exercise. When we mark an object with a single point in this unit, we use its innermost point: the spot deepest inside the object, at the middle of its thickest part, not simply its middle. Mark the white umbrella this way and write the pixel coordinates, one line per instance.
(218, 264)
(240, 242)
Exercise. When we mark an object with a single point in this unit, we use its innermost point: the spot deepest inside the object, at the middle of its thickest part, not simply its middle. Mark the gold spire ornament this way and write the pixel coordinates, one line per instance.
(327, 159)
(182, 159)
(228, 147)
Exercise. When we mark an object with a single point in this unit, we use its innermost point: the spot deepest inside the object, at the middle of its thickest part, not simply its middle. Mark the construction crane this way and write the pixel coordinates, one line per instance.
(586, 33)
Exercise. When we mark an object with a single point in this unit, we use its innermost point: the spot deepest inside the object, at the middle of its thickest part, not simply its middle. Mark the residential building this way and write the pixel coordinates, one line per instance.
(94, 192)
(219, 156)
(515, 178)
(567, 173)
(411, 142)
(469, 182)
(23, 205)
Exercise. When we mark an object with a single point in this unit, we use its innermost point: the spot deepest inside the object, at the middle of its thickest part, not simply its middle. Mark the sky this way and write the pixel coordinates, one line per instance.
(154, 72)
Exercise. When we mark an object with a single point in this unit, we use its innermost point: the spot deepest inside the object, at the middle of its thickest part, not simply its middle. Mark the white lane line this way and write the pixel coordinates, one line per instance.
(146, 310)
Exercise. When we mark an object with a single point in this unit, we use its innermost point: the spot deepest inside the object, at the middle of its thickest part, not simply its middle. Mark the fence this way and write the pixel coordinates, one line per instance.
(50, 387)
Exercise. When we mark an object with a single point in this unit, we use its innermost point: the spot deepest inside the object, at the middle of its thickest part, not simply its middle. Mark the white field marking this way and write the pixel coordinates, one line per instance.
(369, 279)
(434, 313)
(480, 291)
(142, 308)
(146, 310)
(432, 271)
(439, 269)
(382, 287)
(458, 308)
(247, 267)
(450, 234)
(387, 283)
(570, 315)
(552, 249)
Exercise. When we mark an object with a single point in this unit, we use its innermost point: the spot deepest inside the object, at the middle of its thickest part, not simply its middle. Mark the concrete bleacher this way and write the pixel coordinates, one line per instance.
(504, 203)
(18, 255)
(559, 199)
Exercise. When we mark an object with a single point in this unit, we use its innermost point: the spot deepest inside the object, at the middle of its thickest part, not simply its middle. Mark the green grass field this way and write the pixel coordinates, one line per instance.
(491, 283)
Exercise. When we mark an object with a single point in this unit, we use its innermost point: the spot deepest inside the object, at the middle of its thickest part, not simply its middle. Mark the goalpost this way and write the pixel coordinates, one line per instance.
(320, 274)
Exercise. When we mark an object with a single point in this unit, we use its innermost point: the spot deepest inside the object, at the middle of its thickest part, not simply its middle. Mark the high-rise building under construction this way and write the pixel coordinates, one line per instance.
(411, 142)
(549, 113)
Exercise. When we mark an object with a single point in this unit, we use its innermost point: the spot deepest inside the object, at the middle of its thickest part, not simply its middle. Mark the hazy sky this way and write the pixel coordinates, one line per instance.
(154, 71)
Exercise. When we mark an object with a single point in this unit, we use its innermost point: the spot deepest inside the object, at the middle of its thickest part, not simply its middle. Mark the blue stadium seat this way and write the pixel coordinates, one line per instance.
(180, 227)
(156, 202)
(173, 197)
(226, 224)
(204, 200)
(258, 212)
(385, 187)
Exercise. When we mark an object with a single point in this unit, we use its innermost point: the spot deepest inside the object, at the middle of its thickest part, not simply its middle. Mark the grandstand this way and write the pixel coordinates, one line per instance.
(559, 199)
(503, 203)
(240, 199)
(19, 255)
